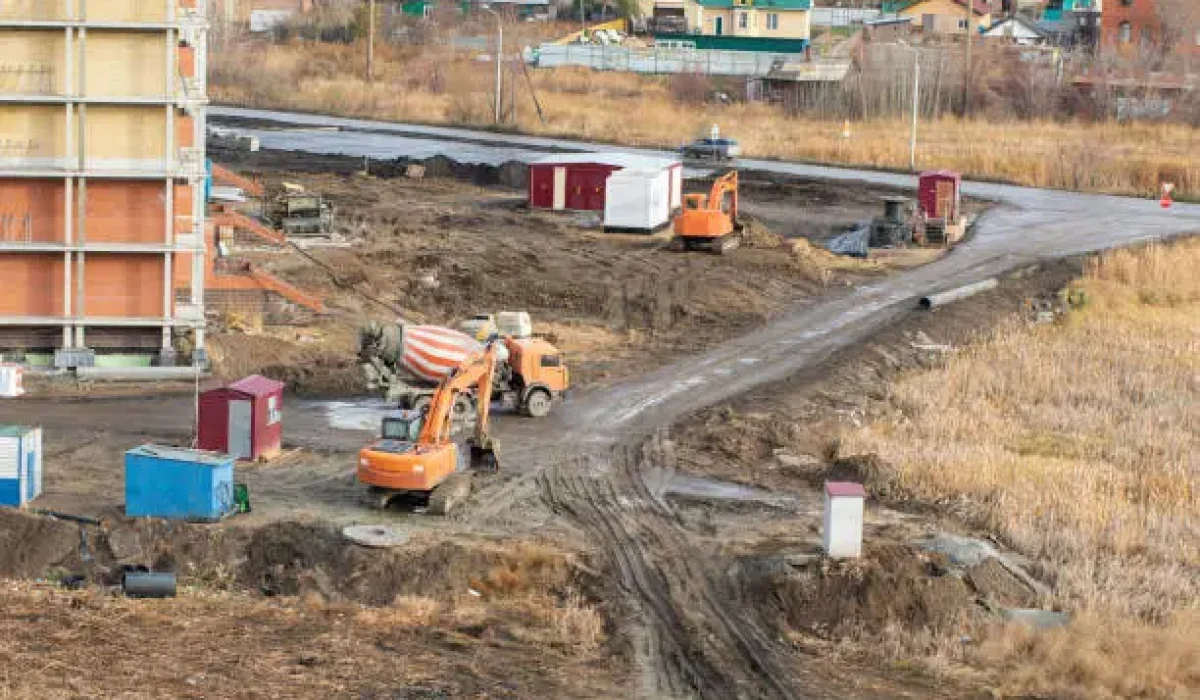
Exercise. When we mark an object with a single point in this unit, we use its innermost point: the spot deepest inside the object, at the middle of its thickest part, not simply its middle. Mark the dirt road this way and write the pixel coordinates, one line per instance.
(590, 462)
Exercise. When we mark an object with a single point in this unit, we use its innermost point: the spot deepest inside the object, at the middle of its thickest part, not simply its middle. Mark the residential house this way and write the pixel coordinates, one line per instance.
(768, 19)
(946, 16)
(1073, 22)
(1141, 24)
(1018, 30)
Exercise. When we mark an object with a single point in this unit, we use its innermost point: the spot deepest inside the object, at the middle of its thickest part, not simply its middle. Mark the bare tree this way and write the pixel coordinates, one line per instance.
(1179, 22)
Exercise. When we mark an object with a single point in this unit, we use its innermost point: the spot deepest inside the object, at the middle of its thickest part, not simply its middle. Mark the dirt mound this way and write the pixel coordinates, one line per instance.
(296, 559)
(30, 545)
(890, 586)
(316, 370)
(996, 584)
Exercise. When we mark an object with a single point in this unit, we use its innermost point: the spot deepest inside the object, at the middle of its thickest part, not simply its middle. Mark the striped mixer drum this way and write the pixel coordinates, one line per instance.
(432, 352)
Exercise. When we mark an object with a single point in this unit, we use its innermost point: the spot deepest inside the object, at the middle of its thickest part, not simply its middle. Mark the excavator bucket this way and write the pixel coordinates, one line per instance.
(483, 456)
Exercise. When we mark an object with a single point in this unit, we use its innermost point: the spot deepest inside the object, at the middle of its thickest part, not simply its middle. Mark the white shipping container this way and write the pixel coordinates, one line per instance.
(637, 200)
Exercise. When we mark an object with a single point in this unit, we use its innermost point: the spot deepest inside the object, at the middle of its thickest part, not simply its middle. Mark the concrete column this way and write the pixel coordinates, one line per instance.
(68, 224)
(80, 262)
(168, 259)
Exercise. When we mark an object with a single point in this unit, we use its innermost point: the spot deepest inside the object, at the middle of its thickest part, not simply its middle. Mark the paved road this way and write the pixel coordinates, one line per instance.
(1028, 226)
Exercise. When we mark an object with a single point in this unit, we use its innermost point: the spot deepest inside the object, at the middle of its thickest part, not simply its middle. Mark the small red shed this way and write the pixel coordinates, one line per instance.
(938, 194)
(244, 419)
(578, 181)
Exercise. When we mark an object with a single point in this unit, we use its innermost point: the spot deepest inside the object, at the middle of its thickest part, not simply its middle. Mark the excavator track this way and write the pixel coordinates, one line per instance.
(450, 494)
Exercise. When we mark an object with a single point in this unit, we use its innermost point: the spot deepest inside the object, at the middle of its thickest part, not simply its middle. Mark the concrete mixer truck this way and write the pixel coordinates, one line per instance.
(406, 363)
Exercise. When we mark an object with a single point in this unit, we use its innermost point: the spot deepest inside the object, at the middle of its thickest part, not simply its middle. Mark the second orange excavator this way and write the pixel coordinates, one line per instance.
(415, 453)
(710, 222)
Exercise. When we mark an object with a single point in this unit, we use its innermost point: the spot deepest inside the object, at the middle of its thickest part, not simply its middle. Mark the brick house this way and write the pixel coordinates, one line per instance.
(1128, 25)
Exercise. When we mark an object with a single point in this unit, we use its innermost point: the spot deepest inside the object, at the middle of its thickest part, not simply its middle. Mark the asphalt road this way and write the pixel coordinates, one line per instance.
(1029, 225)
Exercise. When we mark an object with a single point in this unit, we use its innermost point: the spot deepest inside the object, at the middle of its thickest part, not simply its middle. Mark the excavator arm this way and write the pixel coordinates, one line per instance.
(726, 184)
(476, 371)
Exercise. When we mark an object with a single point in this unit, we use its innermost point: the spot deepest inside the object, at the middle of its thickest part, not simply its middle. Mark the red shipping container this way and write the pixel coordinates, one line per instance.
(244, 419)
(577, 181)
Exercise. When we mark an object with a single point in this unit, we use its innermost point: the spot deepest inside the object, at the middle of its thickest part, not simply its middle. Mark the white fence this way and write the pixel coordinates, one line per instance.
(842, 16)
(657, 60)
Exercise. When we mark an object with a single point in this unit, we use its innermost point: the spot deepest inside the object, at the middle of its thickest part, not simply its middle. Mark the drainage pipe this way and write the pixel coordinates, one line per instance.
(943, 298)
(148, 584)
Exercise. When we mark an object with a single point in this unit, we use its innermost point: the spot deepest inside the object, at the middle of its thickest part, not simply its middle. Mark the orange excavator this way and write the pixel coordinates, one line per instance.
(415, 453)
(710, 222)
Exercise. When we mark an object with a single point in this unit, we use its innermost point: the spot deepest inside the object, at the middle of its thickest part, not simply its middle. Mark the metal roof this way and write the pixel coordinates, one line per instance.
(761, 4)
(620, 160)
(182, 454)
(8, 431)
(257, 385)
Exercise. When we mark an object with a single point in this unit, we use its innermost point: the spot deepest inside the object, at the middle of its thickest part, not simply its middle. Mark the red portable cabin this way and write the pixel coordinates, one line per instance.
(578, 181)
(938, 194)
(244, 419)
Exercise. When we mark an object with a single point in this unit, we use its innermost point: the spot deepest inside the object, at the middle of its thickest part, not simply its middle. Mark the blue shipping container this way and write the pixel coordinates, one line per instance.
(20, 464)
(177, 483)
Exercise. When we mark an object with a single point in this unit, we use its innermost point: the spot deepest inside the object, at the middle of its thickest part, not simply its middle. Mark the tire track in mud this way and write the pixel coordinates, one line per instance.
(701, 640)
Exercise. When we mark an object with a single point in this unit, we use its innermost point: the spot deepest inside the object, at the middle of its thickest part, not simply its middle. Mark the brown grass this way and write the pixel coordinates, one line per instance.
(437, 86)
(1077, 444)
(89, 644)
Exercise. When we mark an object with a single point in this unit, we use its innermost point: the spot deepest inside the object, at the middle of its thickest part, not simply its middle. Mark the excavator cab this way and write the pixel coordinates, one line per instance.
(403, 426)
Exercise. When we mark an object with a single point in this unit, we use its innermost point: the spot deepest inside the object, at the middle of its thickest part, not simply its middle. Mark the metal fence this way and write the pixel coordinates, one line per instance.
(658, 59)
(842, 16)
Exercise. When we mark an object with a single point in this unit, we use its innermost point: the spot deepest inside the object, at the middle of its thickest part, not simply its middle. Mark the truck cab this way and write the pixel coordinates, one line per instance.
(542, 373)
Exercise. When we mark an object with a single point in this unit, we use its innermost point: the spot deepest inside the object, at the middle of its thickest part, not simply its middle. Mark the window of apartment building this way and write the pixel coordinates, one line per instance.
(1124, 33)
(743, 20)
(773, 20)
(1147, 35)
(1127, 3)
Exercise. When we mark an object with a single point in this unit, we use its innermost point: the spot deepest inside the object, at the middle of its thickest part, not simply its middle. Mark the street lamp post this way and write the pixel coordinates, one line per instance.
(916, 106)
(499, 53)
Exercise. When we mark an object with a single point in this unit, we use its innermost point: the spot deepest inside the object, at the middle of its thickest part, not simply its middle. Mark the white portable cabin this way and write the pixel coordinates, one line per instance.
(578, 181)
(20, 464)
(638, 200)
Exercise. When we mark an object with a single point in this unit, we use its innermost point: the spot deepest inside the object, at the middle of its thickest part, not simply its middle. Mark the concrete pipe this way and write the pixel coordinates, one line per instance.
(943, 298)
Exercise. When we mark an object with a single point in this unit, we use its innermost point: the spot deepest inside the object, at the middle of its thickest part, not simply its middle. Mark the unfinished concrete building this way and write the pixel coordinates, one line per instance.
(101, 180)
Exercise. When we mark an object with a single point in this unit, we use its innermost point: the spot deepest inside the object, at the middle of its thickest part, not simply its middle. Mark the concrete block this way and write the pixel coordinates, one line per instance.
(843, 519)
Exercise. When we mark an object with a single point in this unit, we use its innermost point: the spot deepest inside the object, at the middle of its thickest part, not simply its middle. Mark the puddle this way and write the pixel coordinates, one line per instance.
(713, 489)
(361, 414)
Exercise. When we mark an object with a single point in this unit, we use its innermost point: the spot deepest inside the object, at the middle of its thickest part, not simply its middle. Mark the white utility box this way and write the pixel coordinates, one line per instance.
(843, 519)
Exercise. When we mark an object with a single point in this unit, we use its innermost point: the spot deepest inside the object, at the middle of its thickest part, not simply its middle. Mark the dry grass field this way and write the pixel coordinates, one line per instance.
(1077, 443)
(436, 85)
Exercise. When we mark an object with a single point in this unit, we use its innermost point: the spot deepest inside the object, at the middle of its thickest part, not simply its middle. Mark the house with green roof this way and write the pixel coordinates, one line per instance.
(743, 24)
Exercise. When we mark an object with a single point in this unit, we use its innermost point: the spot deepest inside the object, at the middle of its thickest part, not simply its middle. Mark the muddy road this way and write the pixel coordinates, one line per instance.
(591, 463)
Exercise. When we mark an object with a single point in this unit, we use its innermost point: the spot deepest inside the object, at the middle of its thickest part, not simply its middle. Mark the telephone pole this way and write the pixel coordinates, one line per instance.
(371, 41)
(970, 5)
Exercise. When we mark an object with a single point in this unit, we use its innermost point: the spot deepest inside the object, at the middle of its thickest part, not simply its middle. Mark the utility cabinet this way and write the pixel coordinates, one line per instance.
(20, 464)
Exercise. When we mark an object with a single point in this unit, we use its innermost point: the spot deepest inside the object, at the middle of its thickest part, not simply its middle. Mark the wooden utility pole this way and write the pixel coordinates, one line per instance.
(371, 41)
(970, 5)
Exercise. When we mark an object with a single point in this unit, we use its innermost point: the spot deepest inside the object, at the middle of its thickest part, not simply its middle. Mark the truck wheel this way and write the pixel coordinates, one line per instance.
(537, 403)
(422, 403)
